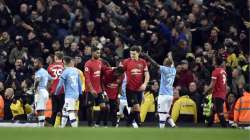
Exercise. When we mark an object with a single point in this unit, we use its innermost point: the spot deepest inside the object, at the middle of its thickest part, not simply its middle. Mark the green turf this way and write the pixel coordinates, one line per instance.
(84, 133)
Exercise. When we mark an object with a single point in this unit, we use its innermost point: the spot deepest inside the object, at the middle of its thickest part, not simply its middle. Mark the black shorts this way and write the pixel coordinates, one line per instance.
(57, 103)
(113, 105)
(133, 98)
(95, 100)
(218, 105)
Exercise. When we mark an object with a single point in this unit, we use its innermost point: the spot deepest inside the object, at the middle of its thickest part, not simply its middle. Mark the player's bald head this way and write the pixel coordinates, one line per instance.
(9, 93)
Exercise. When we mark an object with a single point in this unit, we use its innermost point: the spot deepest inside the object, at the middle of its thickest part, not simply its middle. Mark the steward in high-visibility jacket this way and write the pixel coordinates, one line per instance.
(184, 110)
(207, 107)
(242, 108)
(19, 108)
(148, 105)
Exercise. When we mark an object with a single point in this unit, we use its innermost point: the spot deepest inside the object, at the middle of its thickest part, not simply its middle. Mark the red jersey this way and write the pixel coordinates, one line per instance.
(55, 70)
(92, 72)
(135, 70)
(111, 84)
(220, 88)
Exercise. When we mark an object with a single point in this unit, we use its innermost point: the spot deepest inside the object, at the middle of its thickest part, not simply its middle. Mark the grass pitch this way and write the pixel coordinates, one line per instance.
(84, 133)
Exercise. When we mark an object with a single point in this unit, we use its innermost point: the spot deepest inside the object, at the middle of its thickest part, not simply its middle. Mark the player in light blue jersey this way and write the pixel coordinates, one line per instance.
(71, 81)
(42, 78)
(122, 100)
(165, 98)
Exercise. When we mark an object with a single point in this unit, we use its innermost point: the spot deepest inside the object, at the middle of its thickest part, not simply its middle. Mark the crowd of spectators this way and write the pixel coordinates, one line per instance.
(193, 30)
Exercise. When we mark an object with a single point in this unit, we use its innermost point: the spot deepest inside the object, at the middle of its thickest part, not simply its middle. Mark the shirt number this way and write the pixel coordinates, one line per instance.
(57, 73)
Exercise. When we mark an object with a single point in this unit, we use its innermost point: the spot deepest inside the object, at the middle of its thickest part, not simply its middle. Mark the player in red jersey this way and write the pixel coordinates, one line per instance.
(95, 95)
(218, 86)
(112, 82)
(55, 70)
(137, 79)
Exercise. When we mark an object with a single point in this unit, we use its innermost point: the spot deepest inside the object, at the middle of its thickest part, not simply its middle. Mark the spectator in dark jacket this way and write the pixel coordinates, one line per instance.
(197, 97)
(186, 75)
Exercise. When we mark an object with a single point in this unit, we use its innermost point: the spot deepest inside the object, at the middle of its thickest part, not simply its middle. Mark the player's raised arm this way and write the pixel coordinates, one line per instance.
(150, 59)
(171, 58)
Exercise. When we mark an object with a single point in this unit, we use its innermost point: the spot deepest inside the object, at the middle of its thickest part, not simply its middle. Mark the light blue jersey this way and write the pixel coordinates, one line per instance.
(71, 81)
(124, 83)
(43, 77)
(167, 80)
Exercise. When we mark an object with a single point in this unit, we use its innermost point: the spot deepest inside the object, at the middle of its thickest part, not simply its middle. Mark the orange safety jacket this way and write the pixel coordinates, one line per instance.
(48, 111)
(1, 107)
(242, 109)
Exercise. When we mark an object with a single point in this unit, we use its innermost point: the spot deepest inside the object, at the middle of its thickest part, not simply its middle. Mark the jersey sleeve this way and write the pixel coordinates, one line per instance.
(87, 72)
(87, 76)
(214, 75)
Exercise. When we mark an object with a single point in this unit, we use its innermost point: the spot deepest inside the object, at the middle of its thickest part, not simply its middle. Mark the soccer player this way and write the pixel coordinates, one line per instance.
(55, 70)
(71, 81)
(122, 101)
(112, 83)
(137, 73)
(95, 95)
(219, 90)
(165, 97)
(40, 86)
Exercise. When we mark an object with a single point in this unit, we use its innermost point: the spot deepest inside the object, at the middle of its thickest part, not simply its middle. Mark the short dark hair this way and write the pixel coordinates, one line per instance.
(136, 48)
(67, 60)
(247, 88)
(59, 55)
(183, 91)
(94, 49)
(219, 60)
(40, 60)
